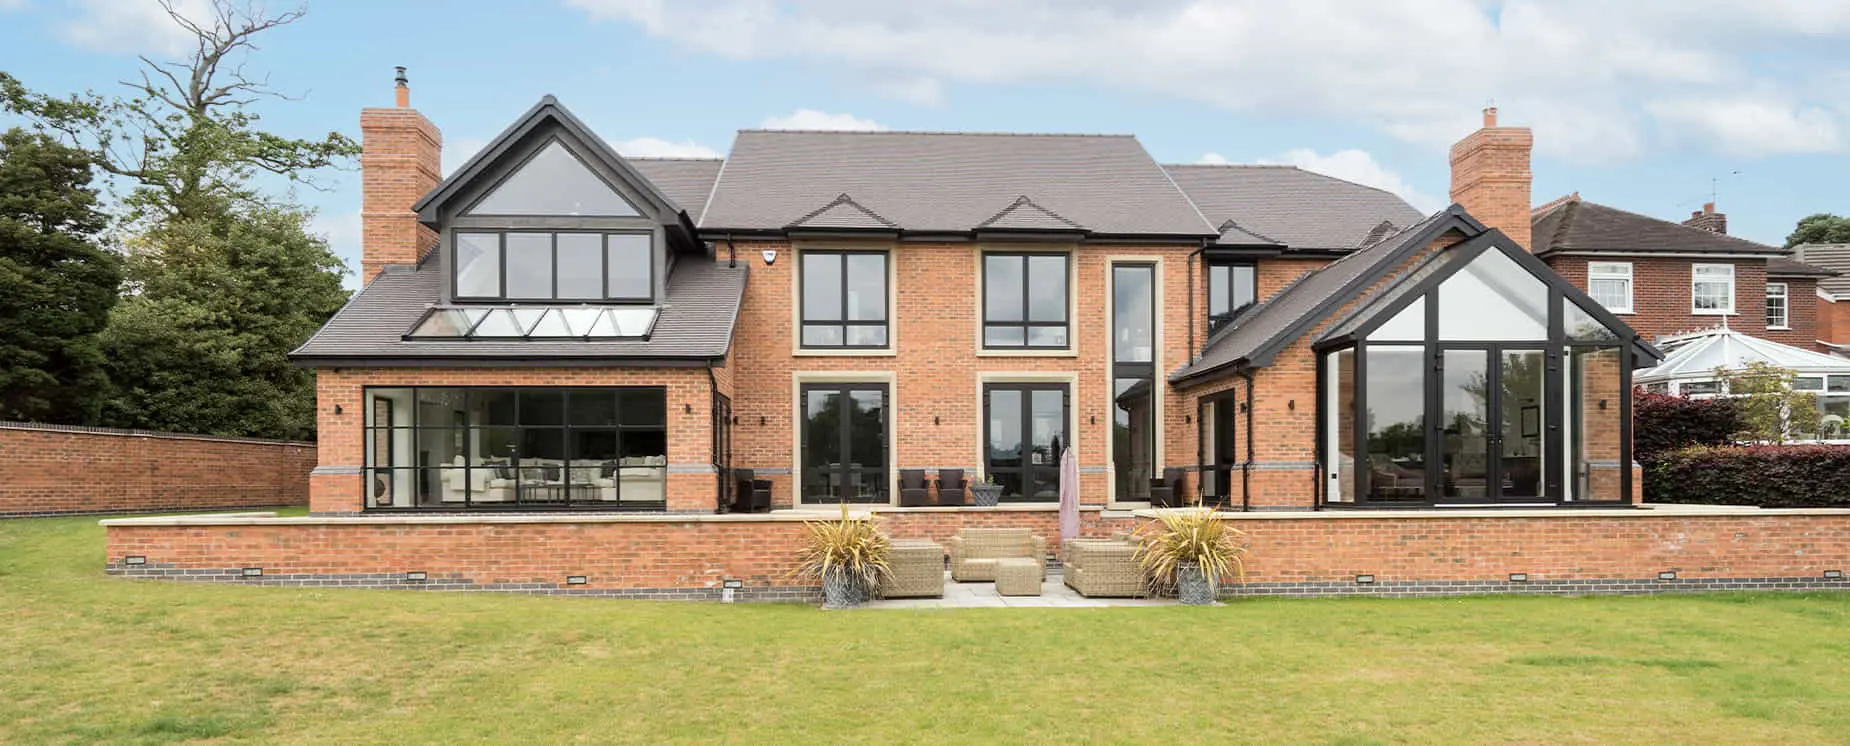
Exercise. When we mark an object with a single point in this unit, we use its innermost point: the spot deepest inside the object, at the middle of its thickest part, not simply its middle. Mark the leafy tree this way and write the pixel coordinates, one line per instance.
(59, 282)
(203, 346)
(1771, 411)
(1820, 228)
(185, 136)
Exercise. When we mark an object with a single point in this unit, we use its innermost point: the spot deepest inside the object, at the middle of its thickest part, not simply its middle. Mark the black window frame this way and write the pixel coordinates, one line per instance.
(501, 265)
(841, 258)
(1217, 321)
(1024, 324)
(565, 427)
(1027, 389)
(886, 470)
(1129, 490)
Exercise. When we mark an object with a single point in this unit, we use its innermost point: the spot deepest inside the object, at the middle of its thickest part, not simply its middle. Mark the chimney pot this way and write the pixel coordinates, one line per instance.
(1708, 208)
(1490, 117)
(1491, 177)
(402, 89)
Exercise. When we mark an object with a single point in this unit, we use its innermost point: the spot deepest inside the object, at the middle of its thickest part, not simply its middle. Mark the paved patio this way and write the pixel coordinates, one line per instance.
(1054, 594)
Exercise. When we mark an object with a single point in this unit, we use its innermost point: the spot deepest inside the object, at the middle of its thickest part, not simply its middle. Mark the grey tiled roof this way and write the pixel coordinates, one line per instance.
(843, 212)
(696, 322)
(686, 181)
(1301, 209)
(1780, 266)
(1578, 225)
(1272, 322)
(924, 182)
(1830, 256)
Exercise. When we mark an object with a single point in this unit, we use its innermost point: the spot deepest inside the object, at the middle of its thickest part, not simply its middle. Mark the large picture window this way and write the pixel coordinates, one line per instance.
(516, 448)
(1231, 288)
(1133, 377)
(844, 299)
(1712, 289)
(544, 266)
(1025, 301)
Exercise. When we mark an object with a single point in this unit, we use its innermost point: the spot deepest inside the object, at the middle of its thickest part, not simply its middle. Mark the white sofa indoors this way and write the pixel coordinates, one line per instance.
(635, 479)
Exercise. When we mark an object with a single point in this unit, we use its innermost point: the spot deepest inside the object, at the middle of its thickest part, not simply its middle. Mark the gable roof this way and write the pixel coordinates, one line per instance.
(929, 182)
(1300, 209)
(1576, 225)
(1833, 257)
(1023, 214)
(1262, 331)
(843, 212)
(695, 325)
(685, 181)
(547, 113)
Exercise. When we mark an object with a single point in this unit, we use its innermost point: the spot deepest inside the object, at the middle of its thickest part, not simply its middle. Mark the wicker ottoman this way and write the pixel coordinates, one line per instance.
(917, 570)
(1018, 576)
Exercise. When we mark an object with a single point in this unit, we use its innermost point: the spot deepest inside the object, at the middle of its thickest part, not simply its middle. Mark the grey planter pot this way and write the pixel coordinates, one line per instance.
(1193, 588)
(843, 591)
(986, 494)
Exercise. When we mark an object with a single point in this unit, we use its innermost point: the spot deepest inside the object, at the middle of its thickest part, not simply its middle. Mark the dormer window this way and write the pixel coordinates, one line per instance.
(554, 265)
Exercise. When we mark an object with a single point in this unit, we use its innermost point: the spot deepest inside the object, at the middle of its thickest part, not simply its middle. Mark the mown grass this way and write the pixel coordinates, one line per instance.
(90, 659)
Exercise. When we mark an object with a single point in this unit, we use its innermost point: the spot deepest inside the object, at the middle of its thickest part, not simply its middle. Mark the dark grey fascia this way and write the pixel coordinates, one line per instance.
(820, 234)
(452, 361)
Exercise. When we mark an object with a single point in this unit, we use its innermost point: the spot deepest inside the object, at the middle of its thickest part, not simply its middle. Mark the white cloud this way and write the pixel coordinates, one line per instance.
(1212, 159)
(810, 119)
(1751, 127)
(654, 147)
(134, 26)
(1575, 70)
(1360, 167)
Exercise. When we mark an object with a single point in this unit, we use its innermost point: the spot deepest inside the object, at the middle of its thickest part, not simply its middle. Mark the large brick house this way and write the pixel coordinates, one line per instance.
(557, 327)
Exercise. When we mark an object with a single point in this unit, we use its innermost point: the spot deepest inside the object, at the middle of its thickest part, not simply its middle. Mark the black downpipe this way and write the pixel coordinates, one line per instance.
(1194, 352)
(732, 253)
(713, 445)
(1246, 469)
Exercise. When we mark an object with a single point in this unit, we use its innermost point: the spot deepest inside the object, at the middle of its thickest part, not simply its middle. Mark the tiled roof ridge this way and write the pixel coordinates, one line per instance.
(1546, 207)
(1283, 166)
(1231, 223)
(701, 159)
(844, 199)
(939, 133)
(1017, 205)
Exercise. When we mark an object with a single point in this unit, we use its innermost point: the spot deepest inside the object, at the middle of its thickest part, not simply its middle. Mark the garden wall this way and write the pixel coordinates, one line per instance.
(691, 556)
(50, 470)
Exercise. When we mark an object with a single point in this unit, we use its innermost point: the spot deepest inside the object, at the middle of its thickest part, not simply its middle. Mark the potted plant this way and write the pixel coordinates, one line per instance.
(849, 556)
(986, 492)
(1186, 551)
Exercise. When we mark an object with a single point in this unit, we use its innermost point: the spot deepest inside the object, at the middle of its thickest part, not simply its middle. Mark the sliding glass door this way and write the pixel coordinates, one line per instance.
(844, 443)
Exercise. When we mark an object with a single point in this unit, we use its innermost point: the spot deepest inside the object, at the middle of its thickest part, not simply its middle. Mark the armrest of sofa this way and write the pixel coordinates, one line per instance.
(1040, 550)
(955, 545)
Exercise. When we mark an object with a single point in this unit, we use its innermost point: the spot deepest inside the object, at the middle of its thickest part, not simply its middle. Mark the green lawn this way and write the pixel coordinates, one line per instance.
(92, 659)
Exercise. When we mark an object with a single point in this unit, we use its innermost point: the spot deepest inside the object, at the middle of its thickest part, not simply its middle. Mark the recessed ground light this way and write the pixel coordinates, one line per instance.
(1519, 577)
(1364, 579)
(575, 580)
(134, 559)
(1667, 575)
(1833, 575)
(252, 572)
(416, 576)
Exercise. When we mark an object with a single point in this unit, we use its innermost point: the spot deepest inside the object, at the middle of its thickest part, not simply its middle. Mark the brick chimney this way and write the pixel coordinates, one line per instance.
(400, 161)
(1708, 219)
(1491, 177)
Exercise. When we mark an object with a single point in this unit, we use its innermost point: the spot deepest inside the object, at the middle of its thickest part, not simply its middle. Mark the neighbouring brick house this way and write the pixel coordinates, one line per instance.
(562, 358)
(1833, 305)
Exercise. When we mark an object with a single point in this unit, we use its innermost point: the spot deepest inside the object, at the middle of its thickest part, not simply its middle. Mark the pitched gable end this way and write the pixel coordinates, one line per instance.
(1024, 215)
(843, 212)
(547, 163)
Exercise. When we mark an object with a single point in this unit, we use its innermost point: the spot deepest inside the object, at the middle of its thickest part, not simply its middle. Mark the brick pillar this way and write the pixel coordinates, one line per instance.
(1491, 177)
(1708, 219)
(400, 161)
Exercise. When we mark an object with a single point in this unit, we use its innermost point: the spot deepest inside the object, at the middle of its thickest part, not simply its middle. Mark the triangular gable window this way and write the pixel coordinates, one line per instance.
(554, 182)
(1493, 298)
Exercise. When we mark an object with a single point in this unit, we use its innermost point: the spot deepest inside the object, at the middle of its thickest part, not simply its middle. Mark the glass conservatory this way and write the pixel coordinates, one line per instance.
(1691, 361)
(1480, 378)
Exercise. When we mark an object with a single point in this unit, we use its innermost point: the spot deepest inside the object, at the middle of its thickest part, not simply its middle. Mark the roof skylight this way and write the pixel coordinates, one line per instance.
(536, 322)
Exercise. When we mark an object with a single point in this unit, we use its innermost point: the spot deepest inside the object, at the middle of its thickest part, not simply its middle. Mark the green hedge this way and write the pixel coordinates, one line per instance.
(1810, 476)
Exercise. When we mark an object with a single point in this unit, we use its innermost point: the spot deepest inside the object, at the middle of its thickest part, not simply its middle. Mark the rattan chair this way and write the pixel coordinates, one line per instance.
(1102, 567)
(917, 570)
(974, 551)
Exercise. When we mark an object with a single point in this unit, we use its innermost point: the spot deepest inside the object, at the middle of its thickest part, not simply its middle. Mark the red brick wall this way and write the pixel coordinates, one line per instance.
(1491, 177)
(1801, 313)
(1322, 552)
(401, 161)
(337, 489)
(50, 469)
(1661, 296)
(1833, 322)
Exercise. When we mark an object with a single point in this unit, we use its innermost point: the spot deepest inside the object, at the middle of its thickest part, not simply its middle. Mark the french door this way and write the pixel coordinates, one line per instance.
(1487, 432)
(844, 443)
(1025, 430)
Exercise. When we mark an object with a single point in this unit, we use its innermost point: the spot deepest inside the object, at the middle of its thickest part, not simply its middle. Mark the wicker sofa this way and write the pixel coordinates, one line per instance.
(974, 551)
(1102, 567)
(917, 570)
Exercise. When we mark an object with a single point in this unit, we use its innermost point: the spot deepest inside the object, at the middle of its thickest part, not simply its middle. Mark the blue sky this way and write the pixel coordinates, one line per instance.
(1645, 105)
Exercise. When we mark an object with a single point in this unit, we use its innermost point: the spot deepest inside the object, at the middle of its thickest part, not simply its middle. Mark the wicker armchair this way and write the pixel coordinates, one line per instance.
(1103, 567)
(917, 569)
(974, 551)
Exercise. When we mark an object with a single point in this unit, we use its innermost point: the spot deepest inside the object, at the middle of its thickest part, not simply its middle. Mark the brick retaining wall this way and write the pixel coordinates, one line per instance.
(1310, 554)
(52, 470)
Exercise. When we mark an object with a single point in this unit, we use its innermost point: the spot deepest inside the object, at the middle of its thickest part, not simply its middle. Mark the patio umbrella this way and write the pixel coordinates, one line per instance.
(1069, 495)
